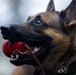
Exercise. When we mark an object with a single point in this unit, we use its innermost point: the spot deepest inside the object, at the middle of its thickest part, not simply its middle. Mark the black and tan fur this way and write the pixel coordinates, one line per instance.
(57, 30)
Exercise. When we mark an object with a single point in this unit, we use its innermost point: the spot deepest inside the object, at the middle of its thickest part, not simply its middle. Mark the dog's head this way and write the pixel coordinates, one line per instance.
(48, 34)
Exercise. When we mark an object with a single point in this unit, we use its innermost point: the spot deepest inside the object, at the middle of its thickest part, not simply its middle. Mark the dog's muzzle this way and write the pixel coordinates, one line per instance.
(38, 43)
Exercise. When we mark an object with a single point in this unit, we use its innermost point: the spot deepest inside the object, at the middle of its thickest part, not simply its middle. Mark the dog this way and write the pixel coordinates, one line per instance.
(52, 33)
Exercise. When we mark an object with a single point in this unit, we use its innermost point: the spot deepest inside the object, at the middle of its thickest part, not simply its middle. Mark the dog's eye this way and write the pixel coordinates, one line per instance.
(37, 21)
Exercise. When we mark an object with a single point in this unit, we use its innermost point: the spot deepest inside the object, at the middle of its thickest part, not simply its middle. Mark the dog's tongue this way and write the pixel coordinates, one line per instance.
(9, 47)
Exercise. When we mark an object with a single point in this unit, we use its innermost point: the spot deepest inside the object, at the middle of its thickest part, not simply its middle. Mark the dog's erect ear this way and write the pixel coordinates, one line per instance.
(51, 6)
(69, 17)
(71, 25)
(69, 13)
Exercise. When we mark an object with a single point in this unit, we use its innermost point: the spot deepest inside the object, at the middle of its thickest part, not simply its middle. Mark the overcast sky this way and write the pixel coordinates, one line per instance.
(36, 6)
(26, 8)
(61, 4)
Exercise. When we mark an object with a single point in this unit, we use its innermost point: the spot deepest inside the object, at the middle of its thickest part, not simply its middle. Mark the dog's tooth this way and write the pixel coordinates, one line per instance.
(17, 56)
(12, 56)
(36, 49)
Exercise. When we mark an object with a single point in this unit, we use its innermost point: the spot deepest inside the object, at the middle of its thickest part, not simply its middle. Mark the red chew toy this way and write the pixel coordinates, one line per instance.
(8, 47)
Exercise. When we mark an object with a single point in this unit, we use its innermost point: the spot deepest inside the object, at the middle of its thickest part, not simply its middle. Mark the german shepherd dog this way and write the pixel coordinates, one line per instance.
(53, 34)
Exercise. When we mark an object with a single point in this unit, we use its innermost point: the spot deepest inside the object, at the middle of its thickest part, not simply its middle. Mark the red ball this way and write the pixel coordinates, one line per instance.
(20, 46)
(8, 47)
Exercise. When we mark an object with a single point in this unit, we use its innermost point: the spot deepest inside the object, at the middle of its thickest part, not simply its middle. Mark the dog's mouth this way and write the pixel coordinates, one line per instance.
(20, 57)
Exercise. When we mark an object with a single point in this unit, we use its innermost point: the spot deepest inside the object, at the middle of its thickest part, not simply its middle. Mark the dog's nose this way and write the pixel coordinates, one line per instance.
(4, 28)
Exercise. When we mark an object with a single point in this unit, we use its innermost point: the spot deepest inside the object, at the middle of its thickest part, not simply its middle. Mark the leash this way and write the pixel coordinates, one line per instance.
(35, 58)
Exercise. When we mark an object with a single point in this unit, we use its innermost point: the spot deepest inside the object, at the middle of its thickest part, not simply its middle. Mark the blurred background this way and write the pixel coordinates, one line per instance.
(17, 11)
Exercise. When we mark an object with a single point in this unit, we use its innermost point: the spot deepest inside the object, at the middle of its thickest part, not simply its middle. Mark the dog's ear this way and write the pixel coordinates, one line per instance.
(69, 17)
(69, 13)
(50, 6)
(71, 25)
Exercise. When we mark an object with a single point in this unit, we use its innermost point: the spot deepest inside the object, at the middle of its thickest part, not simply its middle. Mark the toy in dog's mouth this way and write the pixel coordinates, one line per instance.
(20, 54)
